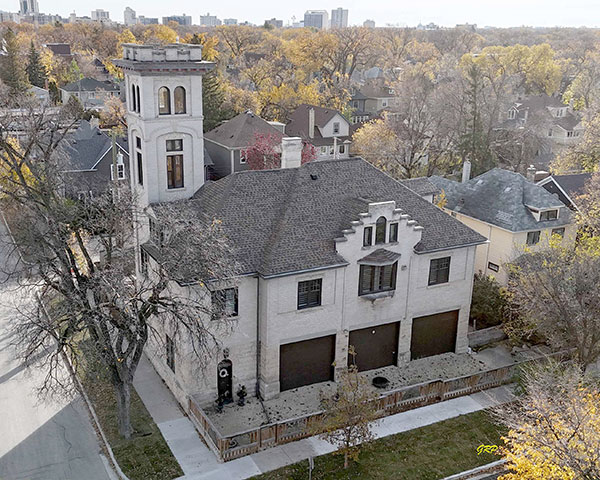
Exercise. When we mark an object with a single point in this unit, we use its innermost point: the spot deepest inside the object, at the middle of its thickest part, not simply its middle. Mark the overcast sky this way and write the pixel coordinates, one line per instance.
(506, 13)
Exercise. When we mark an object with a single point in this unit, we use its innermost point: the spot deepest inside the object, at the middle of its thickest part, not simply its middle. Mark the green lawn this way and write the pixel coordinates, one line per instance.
(427, 453)
(145, 456)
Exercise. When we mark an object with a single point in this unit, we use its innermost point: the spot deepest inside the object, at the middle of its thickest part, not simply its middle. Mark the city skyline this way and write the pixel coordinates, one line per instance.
(486, 13)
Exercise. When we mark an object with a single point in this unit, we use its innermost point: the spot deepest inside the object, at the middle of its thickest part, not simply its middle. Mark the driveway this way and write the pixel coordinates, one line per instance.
(50, 439)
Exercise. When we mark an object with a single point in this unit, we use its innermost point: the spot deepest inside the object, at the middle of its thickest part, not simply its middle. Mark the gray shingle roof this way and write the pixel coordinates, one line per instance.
(573, 184)
(86, 146)
(90, 85)
(287, 220)
(421, 186)
(241, 130)
(501, 198)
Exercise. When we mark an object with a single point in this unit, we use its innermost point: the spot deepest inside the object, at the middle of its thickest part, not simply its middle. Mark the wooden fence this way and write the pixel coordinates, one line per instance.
(404, 398)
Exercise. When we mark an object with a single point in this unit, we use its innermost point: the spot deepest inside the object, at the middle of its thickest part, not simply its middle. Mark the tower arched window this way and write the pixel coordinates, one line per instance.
(133, 99)
(380, 230)
(164, 101)
(139, 103)
(179, 100)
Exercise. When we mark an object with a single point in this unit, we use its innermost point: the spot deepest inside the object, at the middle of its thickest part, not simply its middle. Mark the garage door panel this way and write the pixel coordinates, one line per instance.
(306, 362)
(434, 334)
(375, 347)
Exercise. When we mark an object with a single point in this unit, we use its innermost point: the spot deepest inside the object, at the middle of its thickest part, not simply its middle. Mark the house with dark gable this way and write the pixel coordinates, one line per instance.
(90, 165)
(332, 254)
(566, 187)
(325, 128)
(512, 212)
(226, 143)
(90, 92)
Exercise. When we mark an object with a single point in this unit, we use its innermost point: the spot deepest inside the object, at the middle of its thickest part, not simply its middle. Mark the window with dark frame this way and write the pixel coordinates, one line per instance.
(380, 225)
(144, 261)
(164, 101)
(493, 267)
(309, 293)
(549, 215)
(336, 127)
(393, 232)
(170, 344)
(175, 145)
(533, 237)
(439, 271)
(179, 100)
(558, 231)
(377, 278)
(174, 171)
(368, 237)
(227, 299)
(138, 143)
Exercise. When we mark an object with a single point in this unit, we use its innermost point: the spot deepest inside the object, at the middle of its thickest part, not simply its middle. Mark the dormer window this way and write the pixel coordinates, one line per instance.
(560, 112)
(549, 215)
(512, 114)
(380, 230)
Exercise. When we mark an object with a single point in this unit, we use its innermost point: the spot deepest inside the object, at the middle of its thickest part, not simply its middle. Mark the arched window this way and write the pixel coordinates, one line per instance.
(164, 101)
(133, 100)
(139, 103)
(179, 100)
(380, 230)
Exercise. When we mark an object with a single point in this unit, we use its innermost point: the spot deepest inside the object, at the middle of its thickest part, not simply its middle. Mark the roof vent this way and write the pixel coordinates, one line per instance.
(313, 176)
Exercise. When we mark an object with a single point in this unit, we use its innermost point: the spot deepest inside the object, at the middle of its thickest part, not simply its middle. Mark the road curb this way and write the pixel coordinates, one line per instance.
(112, 461)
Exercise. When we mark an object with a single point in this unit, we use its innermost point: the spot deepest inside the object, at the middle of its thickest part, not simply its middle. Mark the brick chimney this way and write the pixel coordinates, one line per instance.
(291, 152)
(311, 122)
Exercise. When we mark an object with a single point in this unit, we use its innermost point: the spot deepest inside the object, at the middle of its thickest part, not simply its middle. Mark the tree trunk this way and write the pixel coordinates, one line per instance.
(123, 391)
(346, 459)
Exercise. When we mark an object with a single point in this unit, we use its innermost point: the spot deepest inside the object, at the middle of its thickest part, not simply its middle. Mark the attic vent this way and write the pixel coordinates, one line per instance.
(313, 176)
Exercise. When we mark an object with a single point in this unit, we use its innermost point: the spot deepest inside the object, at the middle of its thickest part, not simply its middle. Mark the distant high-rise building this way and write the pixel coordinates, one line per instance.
(180, 19)
(27, 7)
(209, 20)
(230, 21)
(274, 23)
(317, 19)
(339, 18)
(129, 16)
(369, 24)
(147, 20)
(100, 15)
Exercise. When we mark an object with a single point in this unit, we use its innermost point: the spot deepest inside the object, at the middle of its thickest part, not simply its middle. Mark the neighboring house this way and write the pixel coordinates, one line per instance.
(226, 143)
(422, 186)
(41, 94)
(62, 50)
(556, 124)
(90, 92)
(332, 253)
(325, 128)
(510, 211)
(566, 187)
(90, 161)
(371, 99)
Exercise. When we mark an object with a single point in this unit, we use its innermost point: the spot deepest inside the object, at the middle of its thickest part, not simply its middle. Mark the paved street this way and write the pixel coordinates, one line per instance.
(46, 441)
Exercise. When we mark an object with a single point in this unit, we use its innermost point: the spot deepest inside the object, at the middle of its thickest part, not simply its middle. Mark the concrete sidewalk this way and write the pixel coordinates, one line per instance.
(199, 463)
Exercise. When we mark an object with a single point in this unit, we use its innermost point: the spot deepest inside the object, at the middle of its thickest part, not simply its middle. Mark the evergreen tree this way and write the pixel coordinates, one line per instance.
(12, 72)
(35, 70)
(212, 101)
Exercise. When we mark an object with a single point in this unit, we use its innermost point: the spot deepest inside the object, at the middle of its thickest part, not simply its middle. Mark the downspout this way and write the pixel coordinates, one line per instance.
(258, 342)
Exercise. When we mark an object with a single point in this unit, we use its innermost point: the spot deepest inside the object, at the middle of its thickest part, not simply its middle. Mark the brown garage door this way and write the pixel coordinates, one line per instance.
(433, 334)
(375, 347)
(303, 363)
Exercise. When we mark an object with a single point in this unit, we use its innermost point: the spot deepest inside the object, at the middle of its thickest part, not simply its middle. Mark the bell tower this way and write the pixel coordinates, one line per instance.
(164, 120)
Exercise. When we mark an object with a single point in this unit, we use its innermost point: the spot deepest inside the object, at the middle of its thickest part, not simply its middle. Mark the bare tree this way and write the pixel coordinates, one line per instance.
(555, 290)
(349, 414)
(554, 427)
(83, 252)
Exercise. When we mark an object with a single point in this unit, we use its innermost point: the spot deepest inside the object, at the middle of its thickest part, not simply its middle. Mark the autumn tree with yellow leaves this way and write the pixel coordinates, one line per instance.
(554, 427)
